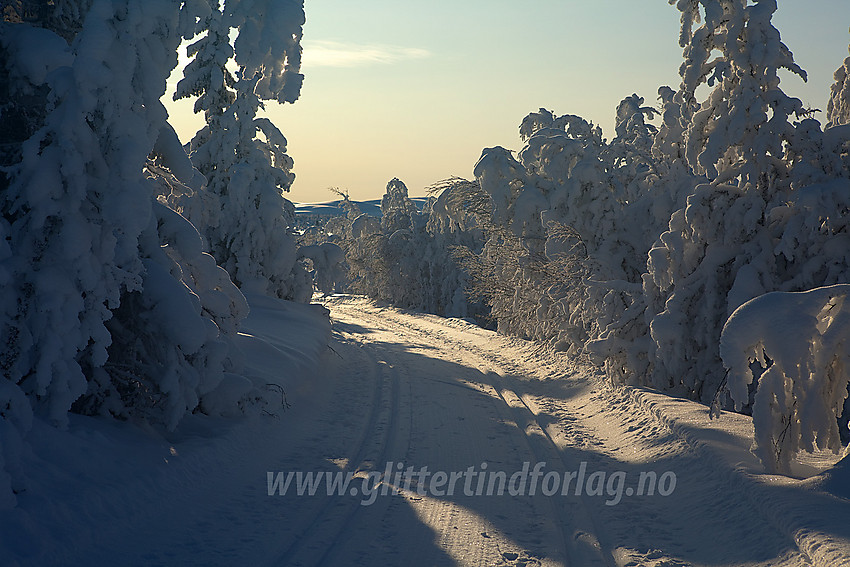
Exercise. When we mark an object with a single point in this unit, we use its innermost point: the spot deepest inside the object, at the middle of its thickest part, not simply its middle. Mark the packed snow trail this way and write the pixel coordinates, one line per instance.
(443, 394)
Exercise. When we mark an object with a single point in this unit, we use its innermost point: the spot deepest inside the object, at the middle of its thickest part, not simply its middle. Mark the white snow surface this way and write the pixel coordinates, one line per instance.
(401, 387)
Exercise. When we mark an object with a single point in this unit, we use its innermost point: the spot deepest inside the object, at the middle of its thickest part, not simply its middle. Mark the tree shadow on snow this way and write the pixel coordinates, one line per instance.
(697, 517)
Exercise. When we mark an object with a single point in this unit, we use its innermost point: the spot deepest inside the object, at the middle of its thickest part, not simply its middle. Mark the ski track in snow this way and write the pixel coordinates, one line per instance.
(421, 390)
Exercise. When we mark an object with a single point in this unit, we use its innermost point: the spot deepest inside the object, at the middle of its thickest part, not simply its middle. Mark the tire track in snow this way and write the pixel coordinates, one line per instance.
(317, 541)
(395, 422)
(578, 527)
(454, 524)
(430, 326)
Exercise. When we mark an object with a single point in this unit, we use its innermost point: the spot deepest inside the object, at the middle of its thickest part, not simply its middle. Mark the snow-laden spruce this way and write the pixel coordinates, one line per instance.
(764, 193)
(78, 204)
(717, 251)
(242, 213)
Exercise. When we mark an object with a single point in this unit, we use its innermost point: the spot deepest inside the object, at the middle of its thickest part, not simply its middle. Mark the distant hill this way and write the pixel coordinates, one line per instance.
(331, 208)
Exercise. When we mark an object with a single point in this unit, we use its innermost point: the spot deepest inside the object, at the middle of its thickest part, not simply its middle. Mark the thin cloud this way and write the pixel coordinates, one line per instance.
(323, 53)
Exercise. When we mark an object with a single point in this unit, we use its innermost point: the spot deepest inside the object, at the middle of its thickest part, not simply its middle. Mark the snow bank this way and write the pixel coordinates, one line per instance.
(102, 481)
(283, 342)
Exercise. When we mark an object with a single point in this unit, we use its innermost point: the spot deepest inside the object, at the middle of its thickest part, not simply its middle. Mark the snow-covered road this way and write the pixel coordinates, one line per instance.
(423, 441)
(421, 397)
(416, 398)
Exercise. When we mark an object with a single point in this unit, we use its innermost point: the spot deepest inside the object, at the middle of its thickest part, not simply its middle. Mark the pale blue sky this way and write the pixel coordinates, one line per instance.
(416, 90)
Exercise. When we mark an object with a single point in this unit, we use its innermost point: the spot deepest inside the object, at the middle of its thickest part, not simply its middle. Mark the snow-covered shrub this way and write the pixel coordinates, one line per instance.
(397, 209)
(802, 340)
(15, 410)
(195, 309)
(383, 257)
(651, 181)
(563, 258)
(405, 257)
(456, 218)
(327, 259)
(508, 272)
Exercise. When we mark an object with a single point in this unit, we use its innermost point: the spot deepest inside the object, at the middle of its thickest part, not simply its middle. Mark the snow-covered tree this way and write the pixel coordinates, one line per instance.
(406, 256)
(396, 207)
(383, 256)
(244, 217)
(717, 252)
(109, 304)
(563, 258)
(838, 107)
(207, 75)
